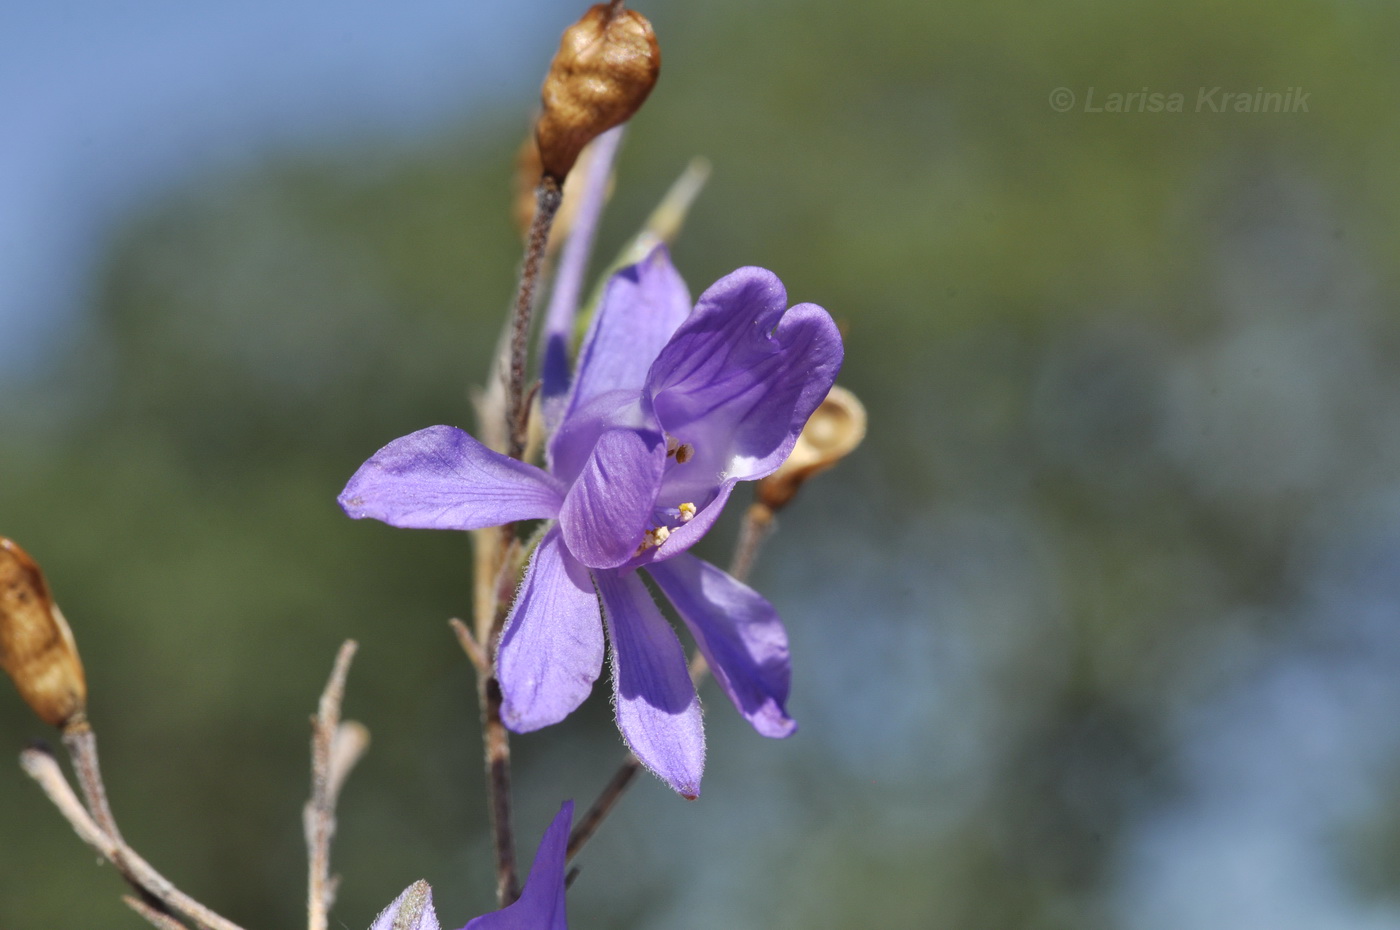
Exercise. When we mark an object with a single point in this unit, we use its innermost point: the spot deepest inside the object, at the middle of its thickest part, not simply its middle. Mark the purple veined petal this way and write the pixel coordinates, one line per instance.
(552, 648)
(609, 506)
(641, 307)
(440, 478)
(658, 710)
(558, 328)
(740, 377)
(739, 634)
(541, 903)
(412, 910)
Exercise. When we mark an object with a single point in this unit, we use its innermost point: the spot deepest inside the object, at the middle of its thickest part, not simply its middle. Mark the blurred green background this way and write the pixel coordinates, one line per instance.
(1098, 629)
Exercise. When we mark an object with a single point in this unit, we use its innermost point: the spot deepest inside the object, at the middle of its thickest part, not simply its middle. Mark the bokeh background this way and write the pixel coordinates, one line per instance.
(1100, 628)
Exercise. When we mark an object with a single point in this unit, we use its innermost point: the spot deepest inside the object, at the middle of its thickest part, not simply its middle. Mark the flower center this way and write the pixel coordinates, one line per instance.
(662, 531)
(682, 452)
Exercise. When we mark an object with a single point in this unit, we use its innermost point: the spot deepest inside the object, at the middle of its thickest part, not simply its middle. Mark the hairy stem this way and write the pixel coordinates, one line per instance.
(547, 199)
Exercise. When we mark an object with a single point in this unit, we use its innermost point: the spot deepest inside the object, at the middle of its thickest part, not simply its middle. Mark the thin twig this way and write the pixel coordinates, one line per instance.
(758, 522)
(496, 744)
(470, 646)
(81, 743)
(495, 556)
(329, 768)
(588, 824)
(547, 198)
(41, 766)
(154, 916)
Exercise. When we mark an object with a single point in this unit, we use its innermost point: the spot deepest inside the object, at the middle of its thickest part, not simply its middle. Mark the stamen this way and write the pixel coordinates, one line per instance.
(653, 538)
(684, 453)
(687, 512)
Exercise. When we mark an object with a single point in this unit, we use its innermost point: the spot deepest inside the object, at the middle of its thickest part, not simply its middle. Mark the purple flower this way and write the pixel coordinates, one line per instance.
(669, 409)
(411, 910)
(541, 903)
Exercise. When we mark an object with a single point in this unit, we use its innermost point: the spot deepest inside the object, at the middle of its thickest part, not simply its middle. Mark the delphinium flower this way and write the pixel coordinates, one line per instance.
(670, 407)
(541, 903)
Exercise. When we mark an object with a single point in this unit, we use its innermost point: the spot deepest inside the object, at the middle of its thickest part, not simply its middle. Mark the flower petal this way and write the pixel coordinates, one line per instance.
(541, 903)
(412, 910)
(609, 505)
(740, 376)
(552, 647)
(440, 478)
(739, 634)
(558, 330)
(658, 710)
(641, 308)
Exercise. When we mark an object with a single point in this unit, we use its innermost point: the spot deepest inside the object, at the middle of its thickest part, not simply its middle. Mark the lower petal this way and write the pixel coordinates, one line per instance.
(552, 647)
(658, 710)
(739, 634)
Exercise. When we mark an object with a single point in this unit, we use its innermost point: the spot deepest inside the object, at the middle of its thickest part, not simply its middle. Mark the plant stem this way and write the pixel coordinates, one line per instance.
(491, 559)
(331, 759)
(81, 743)
(496, 742)
(41, 766)
(588, 824)
(547, 199)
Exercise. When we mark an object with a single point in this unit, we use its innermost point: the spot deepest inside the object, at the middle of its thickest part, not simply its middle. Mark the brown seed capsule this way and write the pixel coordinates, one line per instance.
(832, 433)
(606, 66)
(36, 647)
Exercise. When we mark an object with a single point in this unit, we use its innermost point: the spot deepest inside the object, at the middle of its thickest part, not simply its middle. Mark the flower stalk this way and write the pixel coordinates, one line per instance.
(335, 748)
(157, 892)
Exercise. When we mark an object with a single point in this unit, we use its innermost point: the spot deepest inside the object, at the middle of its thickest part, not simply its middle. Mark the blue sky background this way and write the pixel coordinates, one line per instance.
(104, 105)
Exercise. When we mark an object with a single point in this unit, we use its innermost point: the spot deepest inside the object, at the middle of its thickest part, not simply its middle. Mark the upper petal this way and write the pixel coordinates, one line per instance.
(658, 710)
(541, 902)
(440, 478)
(552, 647)
(607, 509)
(412, 910)
(641, 307)
(740, 376)
(739, 634)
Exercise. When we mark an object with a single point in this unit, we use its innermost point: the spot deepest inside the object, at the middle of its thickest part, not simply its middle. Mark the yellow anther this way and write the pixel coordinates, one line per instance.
(687, 512)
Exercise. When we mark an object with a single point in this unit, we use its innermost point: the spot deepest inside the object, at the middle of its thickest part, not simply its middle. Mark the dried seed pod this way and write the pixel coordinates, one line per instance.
(606, 66)
(36, 647)
(833, 432)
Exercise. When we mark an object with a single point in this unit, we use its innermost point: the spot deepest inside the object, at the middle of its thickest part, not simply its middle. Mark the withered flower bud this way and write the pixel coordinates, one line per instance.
(36, 647)
(606, 66)
(832, 433)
